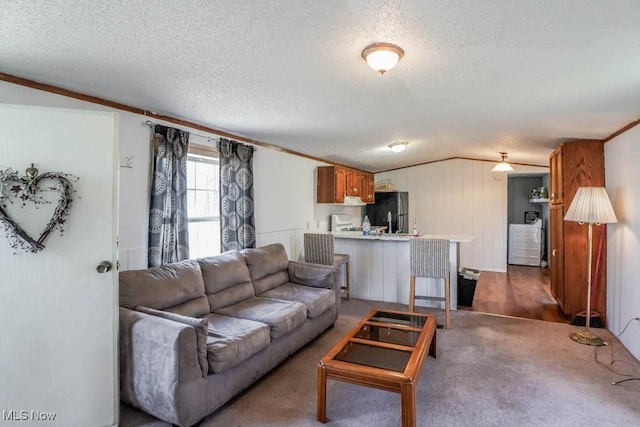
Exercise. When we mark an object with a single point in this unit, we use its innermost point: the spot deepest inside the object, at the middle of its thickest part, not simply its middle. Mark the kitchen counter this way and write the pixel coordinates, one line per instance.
(400, 237)
(379, 267)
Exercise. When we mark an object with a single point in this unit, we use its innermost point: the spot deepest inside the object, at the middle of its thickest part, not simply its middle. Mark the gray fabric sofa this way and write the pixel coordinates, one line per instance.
(195, 333)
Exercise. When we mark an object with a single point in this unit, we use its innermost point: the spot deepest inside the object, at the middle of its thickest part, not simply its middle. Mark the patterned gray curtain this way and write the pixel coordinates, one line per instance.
(168, 221)
(236, 190)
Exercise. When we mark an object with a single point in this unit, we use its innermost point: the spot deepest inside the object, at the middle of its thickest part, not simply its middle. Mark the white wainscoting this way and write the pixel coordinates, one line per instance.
(291, 239)
(379, 271)
(132, 259)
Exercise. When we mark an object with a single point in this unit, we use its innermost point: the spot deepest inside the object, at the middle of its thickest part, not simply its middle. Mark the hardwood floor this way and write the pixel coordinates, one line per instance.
(521, 292)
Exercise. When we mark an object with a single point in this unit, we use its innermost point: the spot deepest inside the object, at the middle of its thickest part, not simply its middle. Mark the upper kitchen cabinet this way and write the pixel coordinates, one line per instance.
(331, 184)
(369, 188)
(335, 182)
(354, 183)
(572, 165)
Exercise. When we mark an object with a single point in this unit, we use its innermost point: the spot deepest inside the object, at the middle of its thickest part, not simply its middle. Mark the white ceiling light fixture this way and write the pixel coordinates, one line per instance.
(382, 56)
(398, 147)
(503, 166)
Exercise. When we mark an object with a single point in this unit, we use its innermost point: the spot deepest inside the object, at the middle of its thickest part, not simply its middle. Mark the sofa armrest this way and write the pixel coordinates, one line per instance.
(156, 356)
(317, 276)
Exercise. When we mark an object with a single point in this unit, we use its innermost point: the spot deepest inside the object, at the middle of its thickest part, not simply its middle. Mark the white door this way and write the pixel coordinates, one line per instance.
(58, 321)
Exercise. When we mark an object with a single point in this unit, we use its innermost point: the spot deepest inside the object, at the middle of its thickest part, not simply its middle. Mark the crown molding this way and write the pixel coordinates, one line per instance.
(149, 114)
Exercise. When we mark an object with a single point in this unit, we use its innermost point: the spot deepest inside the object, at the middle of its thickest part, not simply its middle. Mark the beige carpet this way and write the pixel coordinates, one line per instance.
(490, 371)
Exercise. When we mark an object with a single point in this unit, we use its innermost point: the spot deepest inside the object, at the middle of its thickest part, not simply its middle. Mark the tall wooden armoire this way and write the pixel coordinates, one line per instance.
(573, 165)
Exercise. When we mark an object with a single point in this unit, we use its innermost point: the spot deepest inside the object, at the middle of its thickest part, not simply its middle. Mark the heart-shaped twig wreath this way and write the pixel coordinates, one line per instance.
(28, 189)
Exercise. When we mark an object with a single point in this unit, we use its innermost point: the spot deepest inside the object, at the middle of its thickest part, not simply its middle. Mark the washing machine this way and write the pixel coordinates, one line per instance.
(526, 243)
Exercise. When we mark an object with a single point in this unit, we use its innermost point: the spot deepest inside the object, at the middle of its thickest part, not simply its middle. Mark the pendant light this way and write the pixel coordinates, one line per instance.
(503, 166)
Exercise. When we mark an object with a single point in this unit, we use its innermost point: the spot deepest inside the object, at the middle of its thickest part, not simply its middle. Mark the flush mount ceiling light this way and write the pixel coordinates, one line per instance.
(382, 56)
(398, 147)
(502, 167)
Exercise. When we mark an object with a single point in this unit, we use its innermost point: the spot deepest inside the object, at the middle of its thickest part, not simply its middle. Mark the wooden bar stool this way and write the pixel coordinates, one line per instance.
(430, 258)
(318, 249)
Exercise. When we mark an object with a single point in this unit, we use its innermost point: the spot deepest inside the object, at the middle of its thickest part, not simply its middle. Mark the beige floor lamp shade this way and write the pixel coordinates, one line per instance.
(590, 206)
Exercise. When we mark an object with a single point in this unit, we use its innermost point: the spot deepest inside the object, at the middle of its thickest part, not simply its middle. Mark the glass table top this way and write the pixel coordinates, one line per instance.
(388, 335)
(407, 319)
(396, 337)
(377, 357)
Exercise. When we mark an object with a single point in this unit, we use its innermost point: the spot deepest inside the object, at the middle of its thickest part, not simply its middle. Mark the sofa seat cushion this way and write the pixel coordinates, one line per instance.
(281, 316)
(316, 300)
(233, 340)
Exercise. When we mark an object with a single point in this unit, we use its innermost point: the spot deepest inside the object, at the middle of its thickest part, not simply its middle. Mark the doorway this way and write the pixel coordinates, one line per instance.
(524, 290)
(527, 200)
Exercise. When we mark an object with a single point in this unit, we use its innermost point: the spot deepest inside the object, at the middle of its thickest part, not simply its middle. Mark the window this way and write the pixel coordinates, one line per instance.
(203, 201)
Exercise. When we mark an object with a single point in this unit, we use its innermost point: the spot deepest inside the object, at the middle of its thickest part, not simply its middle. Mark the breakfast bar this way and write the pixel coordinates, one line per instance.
(379, 267)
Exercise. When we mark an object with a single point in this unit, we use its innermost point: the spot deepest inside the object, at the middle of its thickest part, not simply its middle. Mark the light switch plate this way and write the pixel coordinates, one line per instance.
(126, 162)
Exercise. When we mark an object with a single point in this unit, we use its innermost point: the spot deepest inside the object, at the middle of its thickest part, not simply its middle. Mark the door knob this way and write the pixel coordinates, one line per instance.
(104, 267)
(554, 252)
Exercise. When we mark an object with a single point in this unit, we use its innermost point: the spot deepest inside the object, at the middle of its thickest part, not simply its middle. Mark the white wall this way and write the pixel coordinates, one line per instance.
(284, 192)
(284, 183)
(623, 239)
(460, 197)
(133, 137)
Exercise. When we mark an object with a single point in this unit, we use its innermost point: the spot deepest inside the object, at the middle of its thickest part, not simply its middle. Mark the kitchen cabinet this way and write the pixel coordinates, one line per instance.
(573, 165)
(333, 183)
(354, 183)
(369, 188)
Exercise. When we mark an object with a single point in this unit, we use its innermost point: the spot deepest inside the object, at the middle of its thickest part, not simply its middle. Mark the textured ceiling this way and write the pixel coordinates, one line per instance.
(478, 77)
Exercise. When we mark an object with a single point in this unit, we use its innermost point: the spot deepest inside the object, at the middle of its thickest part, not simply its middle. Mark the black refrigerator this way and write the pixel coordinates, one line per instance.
(395, 203)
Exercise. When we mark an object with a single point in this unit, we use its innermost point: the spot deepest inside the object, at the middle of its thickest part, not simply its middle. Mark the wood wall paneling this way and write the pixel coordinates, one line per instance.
(380, 271)
(376, 272)
(403, 270)
(477, 215)
(460, 196)
(389, 273)
(291, 239)
(466, 208)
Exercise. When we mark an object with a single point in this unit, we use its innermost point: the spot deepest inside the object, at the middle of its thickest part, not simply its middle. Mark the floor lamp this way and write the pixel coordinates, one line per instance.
(590, 206)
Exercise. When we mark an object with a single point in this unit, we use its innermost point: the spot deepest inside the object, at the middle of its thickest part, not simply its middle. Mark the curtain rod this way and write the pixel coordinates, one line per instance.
(209, 138)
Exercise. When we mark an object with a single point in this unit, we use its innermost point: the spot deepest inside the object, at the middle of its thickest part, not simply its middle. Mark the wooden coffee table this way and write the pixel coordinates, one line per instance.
(385, 350)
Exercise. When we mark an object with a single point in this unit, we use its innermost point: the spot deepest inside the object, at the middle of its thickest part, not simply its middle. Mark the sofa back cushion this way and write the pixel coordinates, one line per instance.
(267, 266)
(226, 279)
(176, 287)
